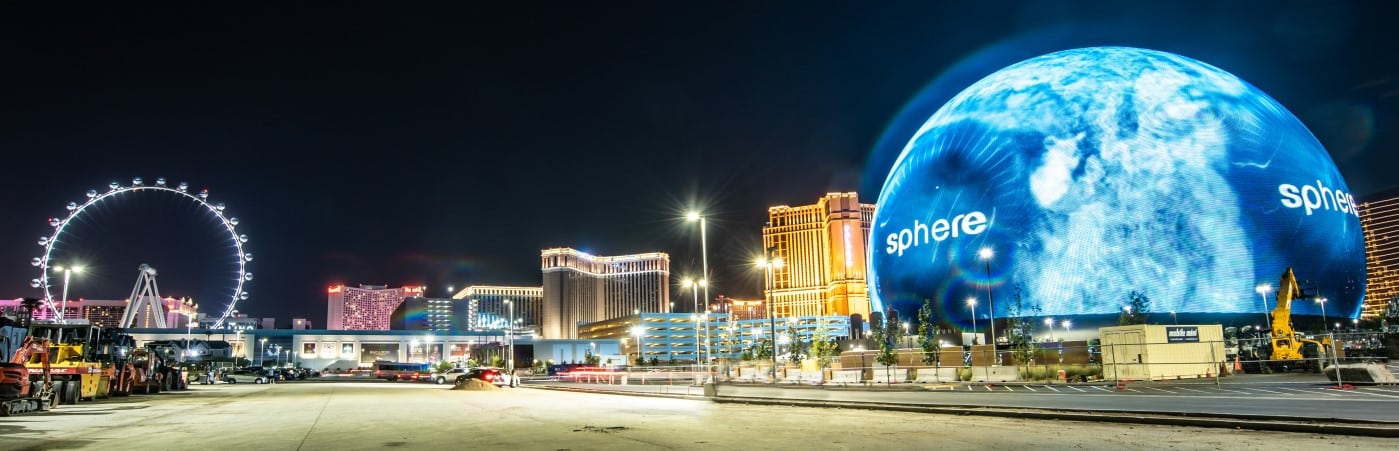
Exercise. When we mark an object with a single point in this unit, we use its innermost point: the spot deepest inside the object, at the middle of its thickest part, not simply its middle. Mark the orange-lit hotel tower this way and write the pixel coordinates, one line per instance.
(823, 251)
(368, 307)
(583, 288)
(1379, 219)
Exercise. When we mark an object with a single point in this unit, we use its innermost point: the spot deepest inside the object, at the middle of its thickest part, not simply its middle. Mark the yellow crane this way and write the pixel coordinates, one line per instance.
(1289, 349)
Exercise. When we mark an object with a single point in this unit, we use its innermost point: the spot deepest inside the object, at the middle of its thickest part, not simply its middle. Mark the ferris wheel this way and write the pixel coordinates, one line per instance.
(76, 209)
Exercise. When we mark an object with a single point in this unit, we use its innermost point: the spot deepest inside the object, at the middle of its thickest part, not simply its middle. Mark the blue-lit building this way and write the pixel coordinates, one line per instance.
(682, 337)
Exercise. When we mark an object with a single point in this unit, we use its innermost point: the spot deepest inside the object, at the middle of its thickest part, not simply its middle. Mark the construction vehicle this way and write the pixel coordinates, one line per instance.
(114, 349)
(21, 389)
(148, 376)
(1285, 349)
(77, 372)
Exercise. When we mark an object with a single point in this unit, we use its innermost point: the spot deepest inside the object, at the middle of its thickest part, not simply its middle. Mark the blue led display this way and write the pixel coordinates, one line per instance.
(1092, 173)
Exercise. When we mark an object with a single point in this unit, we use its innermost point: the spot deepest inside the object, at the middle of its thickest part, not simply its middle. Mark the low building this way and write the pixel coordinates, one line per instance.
(685, 337)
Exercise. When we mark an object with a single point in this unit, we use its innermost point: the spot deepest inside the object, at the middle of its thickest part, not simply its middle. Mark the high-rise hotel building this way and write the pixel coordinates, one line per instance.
(823, 251)
(1379, 220)
(583, 288)
(485, 308)
(368, 307)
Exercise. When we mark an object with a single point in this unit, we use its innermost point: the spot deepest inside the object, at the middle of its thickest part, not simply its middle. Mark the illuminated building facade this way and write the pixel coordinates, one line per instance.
(683, 337)
(106, 313)
(486, 309)
(823, 248)
(1379, 219)
(741, 309)
(368, 307)
(581, 288)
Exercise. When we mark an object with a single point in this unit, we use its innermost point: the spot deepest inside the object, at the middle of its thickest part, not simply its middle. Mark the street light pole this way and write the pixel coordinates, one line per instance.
(67, 271)
(1263, 290)
(971, 302)
(262, 352)
(986, 253)
(1050, 322)
(510, 343)
(769, 264)
(704, 253)
(1324, 325)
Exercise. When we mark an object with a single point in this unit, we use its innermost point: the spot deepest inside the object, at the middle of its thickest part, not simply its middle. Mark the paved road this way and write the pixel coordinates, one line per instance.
(1294, 396)
(354, 415)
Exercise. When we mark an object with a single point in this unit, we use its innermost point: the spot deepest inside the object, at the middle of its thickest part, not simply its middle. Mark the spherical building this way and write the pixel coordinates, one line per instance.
(1088, 174)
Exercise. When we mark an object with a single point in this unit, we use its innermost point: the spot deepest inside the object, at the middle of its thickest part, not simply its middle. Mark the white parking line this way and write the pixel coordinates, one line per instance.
(1049, 387)
(1008, 388)
(1365, 393)
(1133, 390)
(1076, 388)
(1266, 391)
(1234, 391)
(1101, 388)
(1158, 389)
(1030, 388)
(1191, 389)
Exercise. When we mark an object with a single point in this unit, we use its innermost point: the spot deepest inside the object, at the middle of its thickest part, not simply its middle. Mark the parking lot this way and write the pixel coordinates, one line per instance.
(375, 415)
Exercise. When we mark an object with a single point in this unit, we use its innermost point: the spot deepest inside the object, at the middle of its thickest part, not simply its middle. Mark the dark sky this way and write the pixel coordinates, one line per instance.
(409, 144)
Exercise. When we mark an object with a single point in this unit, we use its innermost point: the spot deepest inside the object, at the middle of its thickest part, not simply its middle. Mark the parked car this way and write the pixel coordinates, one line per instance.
(493, 375)
(443, 377)
(246, 375)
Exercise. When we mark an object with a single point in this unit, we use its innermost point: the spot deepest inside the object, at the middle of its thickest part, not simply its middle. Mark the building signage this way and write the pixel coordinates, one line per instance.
(371, 352)
(1182, 334)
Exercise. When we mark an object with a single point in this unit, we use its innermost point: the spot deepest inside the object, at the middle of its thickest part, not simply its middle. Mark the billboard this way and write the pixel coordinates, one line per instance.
(372, 352)
(1079, 177)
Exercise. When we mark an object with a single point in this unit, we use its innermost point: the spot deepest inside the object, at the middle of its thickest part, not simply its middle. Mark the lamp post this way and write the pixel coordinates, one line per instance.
(510, 343)
(1263, 289)
(971, 302)
(262, 352)
(640, 333)
(694, 317)
(769, 264)
(67, 271)
(1322, 301)
(704, 253)
(1050, 322)
(985, 254)
(1067, 324)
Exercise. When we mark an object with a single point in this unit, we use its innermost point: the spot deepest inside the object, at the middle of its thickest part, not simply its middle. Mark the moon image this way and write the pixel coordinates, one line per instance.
(1085, 175)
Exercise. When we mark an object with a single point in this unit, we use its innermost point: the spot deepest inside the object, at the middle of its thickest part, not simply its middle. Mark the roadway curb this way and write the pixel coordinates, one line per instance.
(1100, 416)
(614, 392)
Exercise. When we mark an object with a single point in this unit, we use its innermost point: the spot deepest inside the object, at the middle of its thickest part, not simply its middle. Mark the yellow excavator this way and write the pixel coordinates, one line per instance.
(1290, 350)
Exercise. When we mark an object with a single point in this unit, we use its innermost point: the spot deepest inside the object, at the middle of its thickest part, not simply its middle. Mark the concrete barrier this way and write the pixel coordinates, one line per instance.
(846, 376)
(1361, 373)
(890, 375)
(995, 373)
(934, 375)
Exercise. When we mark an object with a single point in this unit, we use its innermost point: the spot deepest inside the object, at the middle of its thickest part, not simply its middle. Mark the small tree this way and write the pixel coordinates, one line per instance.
(888, 354)
(762, 350)
(928, 336)
(795, 351)
(1020, 331)
(1137, 309)
(590, 359)
(823, 348)
(640, 360)
(444, 366)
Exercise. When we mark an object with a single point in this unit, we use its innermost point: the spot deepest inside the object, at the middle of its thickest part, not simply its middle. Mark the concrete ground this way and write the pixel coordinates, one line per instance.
(370, 415)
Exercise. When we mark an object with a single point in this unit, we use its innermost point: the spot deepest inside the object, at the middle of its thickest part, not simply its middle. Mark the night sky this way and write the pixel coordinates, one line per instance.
(407, 144)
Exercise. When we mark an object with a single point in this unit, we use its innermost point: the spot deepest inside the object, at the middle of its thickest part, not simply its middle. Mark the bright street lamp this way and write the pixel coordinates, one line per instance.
(1263, 289)
(1322, 301)
(985, 254)
(769, 265)
(1050, 322)
(640, 333)
(67, 271)
(971, 302)
(262, 352)
(1067, 325)
(704, 252)
(510, 343)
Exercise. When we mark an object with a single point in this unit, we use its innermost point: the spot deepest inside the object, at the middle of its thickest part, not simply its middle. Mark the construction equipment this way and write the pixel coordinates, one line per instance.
(78, 373)
(114, 350)
(1290, 350)
(148, 377)
(21, 391)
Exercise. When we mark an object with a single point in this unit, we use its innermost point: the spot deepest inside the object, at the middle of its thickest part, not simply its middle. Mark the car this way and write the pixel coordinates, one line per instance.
(493, 375)
(246, 375)
(443, 377)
